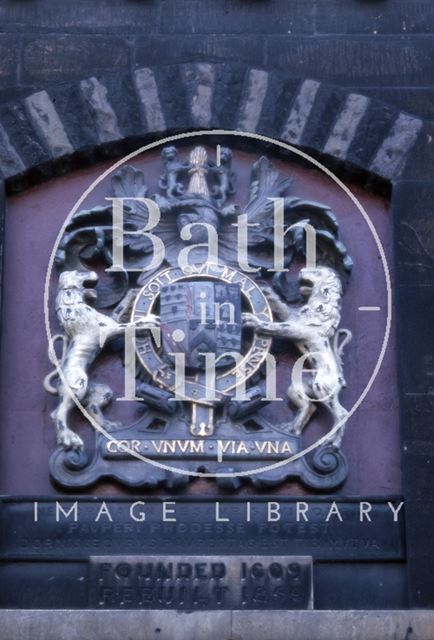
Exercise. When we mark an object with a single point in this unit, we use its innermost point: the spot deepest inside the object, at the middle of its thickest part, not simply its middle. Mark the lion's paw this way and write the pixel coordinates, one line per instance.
(150, 321)
(112, 425)
(69, 440)
(249, 320)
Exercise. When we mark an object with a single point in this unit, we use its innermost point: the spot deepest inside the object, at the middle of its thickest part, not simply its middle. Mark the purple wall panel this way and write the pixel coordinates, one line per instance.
(26, 433)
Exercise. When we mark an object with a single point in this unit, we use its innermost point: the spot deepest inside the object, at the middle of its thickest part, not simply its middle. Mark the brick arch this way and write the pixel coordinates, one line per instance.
(67, 125)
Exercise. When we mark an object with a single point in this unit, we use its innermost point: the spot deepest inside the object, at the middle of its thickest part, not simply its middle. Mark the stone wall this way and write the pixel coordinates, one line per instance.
(352, 80)
(337, 77)
(381, 48)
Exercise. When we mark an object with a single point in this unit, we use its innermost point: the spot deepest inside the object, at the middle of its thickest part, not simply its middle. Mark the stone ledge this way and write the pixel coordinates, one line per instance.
(216, 625)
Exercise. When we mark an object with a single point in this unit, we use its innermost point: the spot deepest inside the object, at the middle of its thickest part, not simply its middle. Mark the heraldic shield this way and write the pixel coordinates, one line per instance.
(199, 318)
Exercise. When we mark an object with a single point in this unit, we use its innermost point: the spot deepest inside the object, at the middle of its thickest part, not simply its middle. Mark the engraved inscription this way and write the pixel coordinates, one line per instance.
(201, 582)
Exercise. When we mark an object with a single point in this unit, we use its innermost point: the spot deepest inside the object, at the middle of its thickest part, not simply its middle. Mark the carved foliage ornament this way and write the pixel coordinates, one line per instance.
(206, 295)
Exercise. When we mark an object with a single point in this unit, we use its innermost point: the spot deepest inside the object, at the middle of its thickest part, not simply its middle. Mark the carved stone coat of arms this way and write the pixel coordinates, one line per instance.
(199, 297)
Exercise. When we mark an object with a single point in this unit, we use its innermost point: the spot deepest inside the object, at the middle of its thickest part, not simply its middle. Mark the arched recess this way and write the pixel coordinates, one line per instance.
(74, 124)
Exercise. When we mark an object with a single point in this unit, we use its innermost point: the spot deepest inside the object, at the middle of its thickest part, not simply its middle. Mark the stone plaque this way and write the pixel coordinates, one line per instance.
(200, 582)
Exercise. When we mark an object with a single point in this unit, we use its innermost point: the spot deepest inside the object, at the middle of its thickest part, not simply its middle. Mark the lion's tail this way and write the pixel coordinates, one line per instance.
(340, 340)
(48, 380)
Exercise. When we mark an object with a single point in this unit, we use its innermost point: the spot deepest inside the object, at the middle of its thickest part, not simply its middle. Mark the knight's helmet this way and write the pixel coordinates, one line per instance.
(198, 171)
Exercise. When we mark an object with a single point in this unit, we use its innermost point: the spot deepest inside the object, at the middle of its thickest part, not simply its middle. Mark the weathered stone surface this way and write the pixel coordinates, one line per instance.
(373, 18)
(118, 107)
(417, 100)
(105, 16)
(200, 80)
(9, 93)
(365, 590)
(253, 100)
(346, 125)
(418, 463)
(236, 16)
(173, 96)
(336, 625)
(420, 541)
(351, 60)
(380, 46)
(420, 168)
(149, 99)
(414, 333)
(372, 129)
(417, 410)
(106, 121)
(76, 114)
(414, 302)
(122, 95)
(8, 60)
(218, 625)
(299, 114)
(412, 204)
(281, 91)
(19, 129)
(53, 58)
(46, 120)
(324, 113)
(229, 81)
(134, 625)
(157, 50)
(10, 161)
(393, 150)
